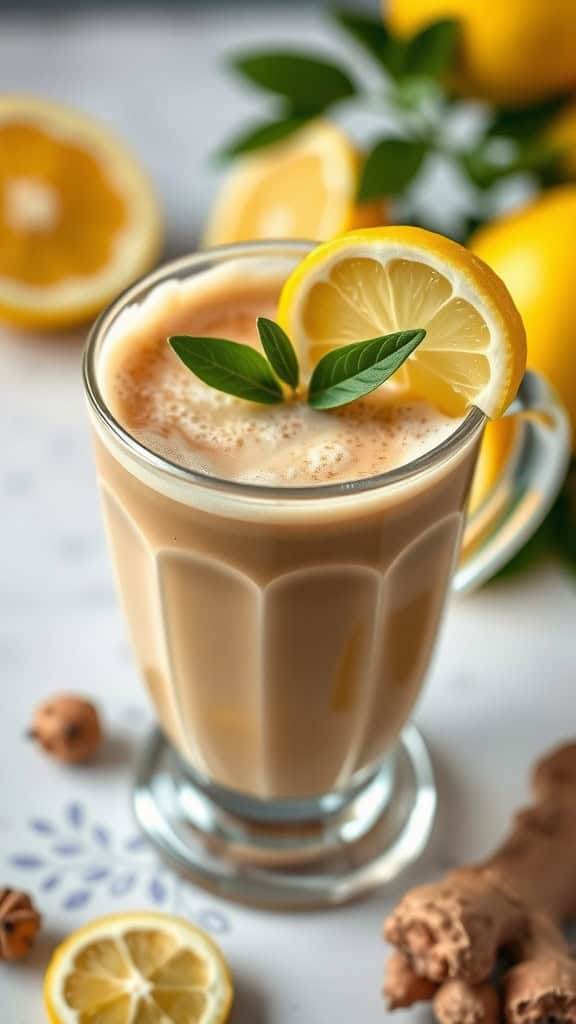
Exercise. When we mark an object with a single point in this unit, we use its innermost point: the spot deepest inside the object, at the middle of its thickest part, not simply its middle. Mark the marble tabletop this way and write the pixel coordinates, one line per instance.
(501, 690)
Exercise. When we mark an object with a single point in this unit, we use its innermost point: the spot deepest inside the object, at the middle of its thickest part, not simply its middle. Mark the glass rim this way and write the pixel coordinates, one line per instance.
(262, 492)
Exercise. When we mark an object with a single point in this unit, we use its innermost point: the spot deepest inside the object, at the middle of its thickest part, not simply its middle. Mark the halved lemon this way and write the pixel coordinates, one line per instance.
(78, 217)
(302, 187)
(372, 282)
(138, 968)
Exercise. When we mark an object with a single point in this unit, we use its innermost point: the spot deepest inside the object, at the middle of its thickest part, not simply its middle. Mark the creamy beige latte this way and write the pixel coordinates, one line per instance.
(283, 635)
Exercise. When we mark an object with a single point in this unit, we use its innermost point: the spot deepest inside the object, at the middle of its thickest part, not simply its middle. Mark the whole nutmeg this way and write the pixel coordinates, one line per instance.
(19, 924)
(68, 728)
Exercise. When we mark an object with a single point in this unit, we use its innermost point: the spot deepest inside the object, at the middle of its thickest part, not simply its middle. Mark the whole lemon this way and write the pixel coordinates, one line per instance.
(512, 53)
(532, 250)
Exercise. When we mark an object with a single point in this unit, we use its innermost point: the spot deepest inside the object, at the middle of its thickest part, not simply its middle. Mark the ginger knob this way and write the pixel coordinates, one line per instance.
(19, 924)
(68, 728)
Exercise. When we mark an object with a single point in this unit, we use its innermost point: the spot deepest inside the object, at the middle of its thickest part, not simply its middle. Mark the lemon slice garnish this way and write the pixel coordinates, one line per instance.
(379, 280)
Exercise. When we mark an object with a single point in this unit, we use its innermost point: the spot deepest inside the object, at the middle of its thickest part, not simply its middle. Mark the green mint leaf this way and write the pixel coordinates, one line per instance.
(279, 351)
(352, 371)
(390, 167)
(230, 367)
(262, 135)
(308, 83)
(370, 33)
(432, 51)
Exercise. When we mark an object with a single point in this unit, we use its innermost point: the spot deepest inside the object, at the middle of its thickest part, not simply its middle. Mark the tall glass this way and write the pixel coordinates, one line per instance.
(284, 635)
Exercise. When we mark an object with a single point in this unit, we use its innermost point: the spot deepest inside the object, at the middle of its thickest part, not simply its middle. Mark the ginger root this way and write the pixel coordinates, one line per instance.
(542, 985)
(456, 1002)
(451, 934)
(402, 986)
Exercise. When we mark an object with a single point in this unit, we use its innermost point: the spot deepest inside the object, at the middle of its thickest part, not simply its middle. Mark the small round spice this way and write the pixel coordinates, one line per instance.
(19, 924)
(68, 728)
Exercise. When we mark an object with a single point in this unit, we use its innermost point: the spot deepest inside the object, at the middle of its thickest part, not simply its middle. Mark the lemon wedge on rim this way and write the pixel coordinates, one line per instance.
(375, 281)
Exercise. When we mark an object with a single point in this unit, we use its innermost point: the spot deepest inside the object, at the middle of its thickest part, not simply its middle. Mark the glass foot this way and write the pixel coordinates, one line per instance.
(285, 854)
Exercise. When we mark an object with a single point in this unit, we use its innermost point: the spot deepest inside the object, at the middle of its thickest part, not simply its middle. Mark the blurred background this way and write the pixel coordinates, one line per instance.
(54, 5)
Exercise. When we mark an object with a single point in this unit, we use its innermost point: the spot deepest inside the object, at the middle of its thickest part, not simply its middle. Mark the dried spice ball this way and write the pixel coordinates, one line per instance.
(68, 728)
(19, 924)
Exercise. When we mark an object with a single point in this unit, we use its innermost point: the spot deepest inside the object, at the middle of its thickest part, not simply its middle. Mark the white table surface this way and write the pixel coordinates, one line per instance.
(502, 689)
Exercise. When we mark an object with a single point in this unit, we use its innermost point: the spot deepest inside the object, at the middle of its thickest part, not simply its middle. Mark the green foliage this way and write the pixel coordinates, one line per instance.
(432, 50)
(524, 123)
(308, 84)
(370, 33)
(485, 167)
(416, 75)
(390, 167)
(261, 135)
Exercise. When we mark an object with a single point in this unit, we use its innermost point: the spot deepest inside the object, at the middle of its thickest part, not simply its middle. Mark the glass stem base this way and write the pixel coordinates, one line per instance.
(289, 854)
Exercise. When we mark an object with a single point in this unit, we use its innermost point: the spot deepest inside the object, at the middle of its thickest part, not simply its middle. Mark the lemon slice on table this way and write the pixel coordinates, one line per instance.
(379, 280)
(138, 968)
(302, 187)
(78, 217)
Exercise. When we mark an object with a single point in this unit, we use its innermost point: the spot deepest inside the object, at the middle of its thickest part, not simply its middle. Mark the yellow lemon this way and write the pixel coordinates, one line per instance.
(78, 217)
(138, 968)
(532, 250)
(512, 53)
(375, 281)
(302, 187)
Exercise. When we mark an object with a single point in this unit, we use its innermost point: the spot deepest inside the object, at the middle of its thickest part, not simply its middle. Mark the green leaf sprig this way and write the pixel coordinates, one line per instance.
(342, 375)
(415, 85)
(306, 86)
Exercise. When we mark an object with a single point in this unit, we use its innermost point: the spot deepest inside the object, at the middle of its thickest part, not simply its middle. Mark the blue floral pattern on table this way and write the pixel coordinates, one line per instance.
(75, 860)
